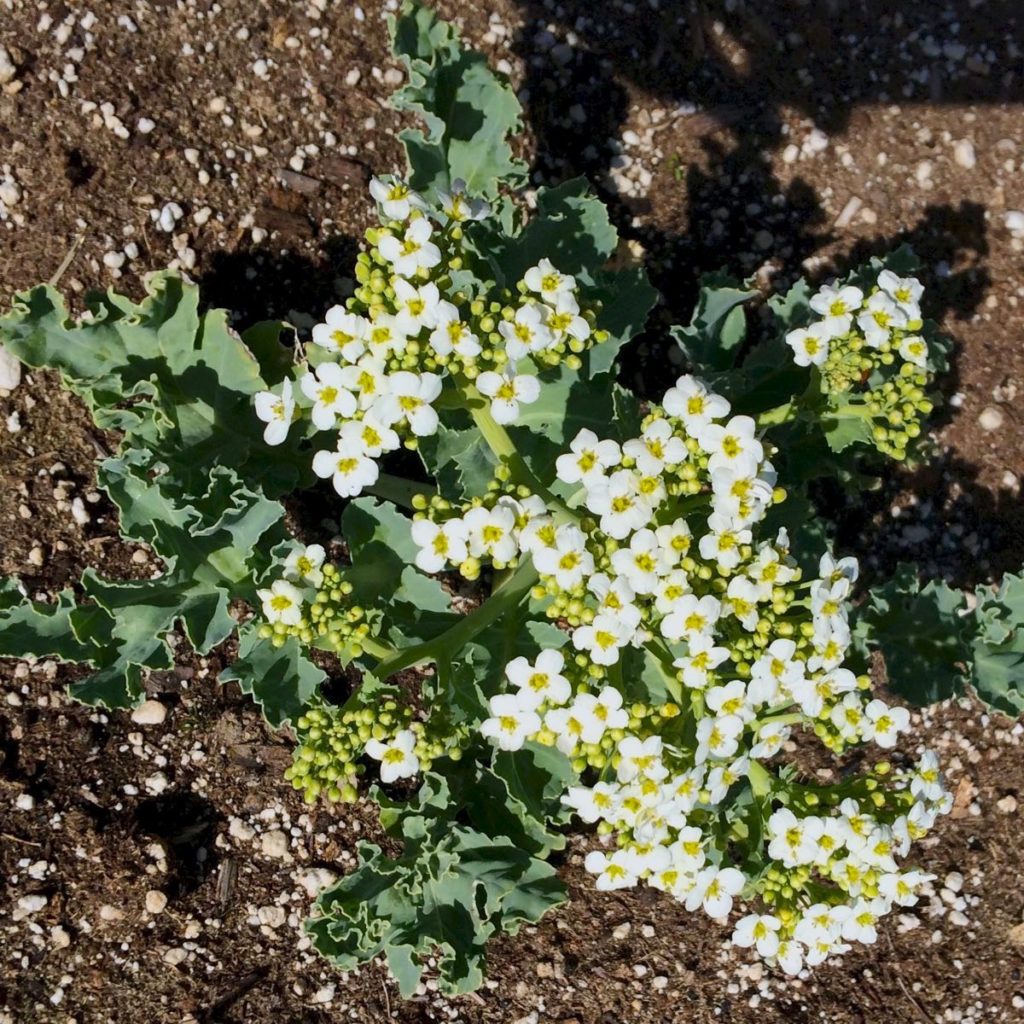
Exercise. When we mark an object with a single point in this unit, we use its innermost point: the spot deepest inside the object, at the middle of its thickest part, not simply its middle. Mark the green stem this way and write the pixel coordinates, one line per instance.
(375, 649)
(398, 490)
(774, 417)
(504, 598)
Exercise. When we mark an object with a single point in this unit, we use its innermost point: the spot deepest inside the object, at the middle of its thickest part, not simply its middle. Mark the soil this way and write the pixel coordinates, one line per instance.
(773, 139)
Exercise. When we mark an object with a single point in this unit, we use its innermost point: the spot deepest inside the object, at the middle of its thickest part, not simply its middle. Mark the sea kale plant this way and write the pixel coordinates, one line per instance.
(568, 608)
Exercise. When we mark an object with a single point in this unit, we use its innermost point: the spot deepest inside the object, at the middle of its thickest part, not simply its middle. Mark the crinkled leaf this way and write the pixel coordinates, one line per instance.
(712, 339)
(920, 634)
(998, 646)
(470, 111)
(281, 679)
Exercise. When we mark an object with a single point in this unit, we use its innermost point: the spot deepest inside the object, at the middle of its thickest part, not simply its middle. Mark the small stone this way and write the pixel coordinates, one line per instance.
(1014, 221)
(271, 916)
(954, 881)
(238, 829)
(175, 956)
(963, 153)
(35, 556)
(10, 193)
(145, 125)
(10, 370)
(990, 419)
(7, 68)
(660, 982)
(545, 970)
(315, 880)
(110, 913)
(27, 906)
(275, 845)
(622, 932)
(1008, 804)
(150, 712)
(324, 995)
(156, 901)
(156, 783)
(140, 557)
(59, 937)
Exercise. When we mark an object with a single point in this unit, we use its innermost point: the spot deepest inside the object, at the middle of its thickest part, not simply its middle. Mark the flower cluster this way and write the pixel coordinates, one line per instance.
(419, 323)
(654, 557)
(871, 343)
(310, 601)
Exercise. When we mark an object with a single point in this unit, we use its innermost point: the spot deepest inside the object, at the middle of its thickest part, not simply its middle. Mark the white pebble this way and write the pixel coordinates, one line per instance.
(156, 901)
(27, 906)
(963, 153)
(25, 802)
(990, 419)
(150, 712)
(10, 370)
(145, 125)
(275, 844)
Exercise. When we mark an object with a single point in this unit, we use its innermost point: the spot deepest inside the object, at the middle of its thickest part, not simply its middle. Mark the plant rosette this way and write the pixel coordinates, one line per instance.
(578, 610)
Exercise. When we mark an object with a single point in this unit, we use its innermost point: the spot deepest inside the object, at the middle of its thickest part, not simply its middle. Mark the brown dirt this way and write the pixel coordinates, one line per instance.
(119, 809)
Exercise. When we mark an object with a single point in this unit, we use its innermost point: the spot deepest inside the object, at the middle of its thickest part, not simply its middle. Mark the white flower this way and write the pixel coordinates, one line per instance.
(883, 724)
(743, 497)
(640, 758)
(775, 673)
(396, 199)
(599, 713)
(926, 783)
(385, 336)
(616, 597)
(730, 699)
(397, 757)
(282, 603)
(526, 332)
(277, 412)
(675, 539)
(306, 565)
(914, 349)
(722, 543)
(593, 804)
(548, 282)
(732, 445)
(368, 436)
(439, 544)
(809, 344)
(539, 683)
(491, 532)
(510, 724)
(714, 889)
(349, 468)
(617, 500)
(326, 387)
(412, 251)
(603, 638)
(718, 737)
(409, 398)
(693, 617)
(343, 332)
(587, 458)
(692, 402)
(793, 840)
(657, 447)
(507, 391)
(452, 334)
(790, 956)
(741, 602)
(366, 379)
(563, 318)
(642, 563)
(760, 930)
(458, 207)
(670, 588)
(614, 872)
(568, 561)
(881, 315)
(902, 887)
(906, 292)
(770, 738)
(417, 307)
(702, 658)
(837, 306)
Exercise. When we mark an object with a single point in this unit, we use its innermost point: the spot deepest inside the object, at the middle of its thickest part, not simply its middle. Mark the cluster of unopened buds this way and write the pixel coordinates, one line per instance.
(378, 365)
(870, 344)
(654, 556)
